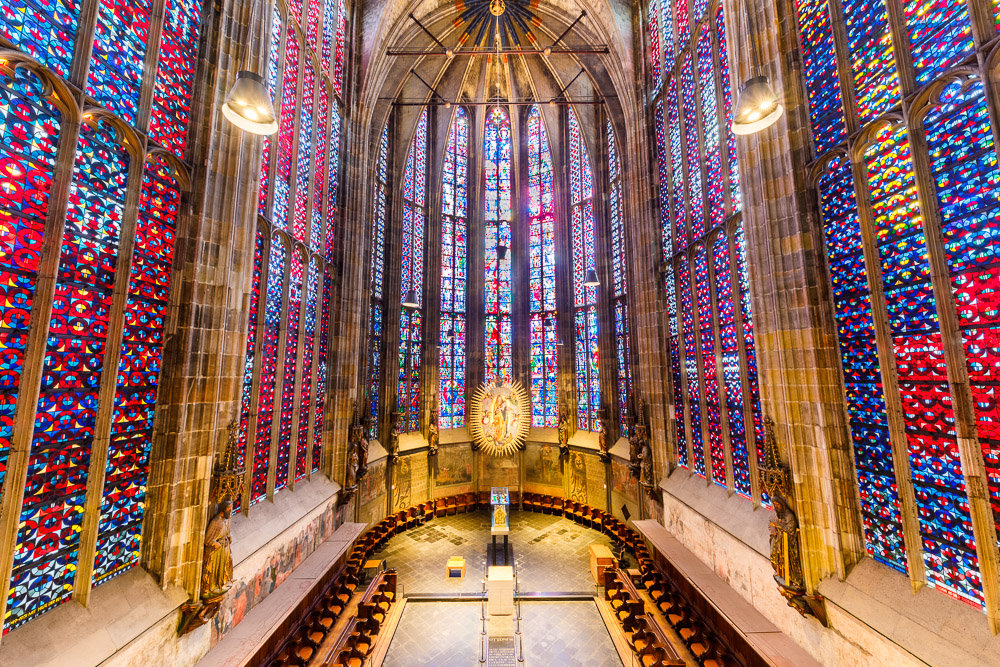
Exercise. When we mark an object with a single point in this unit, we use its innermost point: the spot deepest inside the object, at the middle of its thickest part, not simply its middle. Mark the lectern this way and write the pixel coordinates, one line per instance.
(500, 519)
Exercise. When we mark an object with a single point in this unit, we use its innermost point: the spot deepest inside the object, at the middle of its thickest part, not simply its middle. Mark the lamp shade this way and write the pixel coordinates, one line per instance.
(248, 105)
(591, 279)
(757, 106)
(411, 299)
(501, 251)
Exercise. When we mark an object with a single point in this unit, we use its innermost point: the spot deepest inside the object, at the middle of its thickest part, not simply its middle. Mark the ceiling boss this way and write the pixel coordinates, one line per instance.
(501, 417)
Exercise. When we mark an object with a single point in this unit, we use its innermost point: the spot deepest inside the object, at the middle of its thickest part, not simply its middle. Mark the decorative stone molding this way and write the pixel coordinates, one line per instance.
(783, 533)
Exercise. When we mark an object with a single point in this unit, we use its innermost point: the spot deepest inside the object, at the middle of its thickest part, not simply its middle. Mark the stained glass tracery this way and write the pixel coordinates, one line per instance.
(542, 276)
(454, 275)
(710, 339)
(412, 279)
(619, 291)
(499, 322)
(588, 382)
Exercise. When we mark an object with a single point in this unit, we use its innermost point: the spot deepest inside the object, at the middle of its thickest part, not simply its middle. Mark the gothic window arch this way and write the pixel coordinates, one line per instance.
(78, 492)
(411, 322)
(498, 161)
(283, 393)
(710, 336)
(542, 275)
(912, 266)
(454, 273)
(588, 382)
(376, 325)
(619, 280)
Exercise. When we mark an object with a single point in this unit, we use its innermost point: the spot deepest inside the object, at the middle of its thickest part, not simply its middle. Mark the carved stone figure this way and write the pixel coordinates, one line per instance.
(783, 533)
(635, 443)
(602, 439)
(217, 563)
(394, 433)
(646, 464)
(433, 443)
(578, 480)
(563, 433)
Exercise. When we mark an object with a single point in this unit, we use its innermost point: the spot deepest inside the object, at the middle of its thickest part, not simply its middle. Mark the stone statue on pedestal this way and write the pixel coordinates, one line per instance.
(433, 443)
(217, 562)
(563, 439)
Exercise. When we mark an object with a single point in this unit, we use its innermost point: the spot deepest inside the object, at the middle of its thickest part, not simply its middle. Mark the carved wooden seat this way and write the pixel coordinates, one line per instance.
(349, 657)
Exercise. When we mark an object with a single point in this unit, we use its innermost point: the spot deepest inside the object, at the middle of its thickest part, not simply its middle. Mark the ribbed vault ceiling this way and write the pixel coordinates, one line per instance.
(388, 81)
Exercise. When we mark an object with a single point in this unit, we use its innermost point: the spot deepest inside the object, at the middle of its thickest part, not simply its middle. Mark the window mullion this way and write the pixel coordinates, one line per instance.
(756, 491)
(720, 369)
(279, 365)
(35, 350)
(887, 364)
(258, 326)
(106, 395)
(976, 487)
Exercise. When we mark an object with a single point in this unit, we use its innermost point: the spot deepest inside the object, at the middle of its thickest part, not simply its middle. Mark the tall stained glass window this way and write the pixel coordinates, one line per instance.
(542, 276)
(88, 434)
(411, 283)
(499, 324)
(581, 179)
(284, 374)
(713, 368)
(619, 280)
(887, 301)
(376, 307)
(454, 275)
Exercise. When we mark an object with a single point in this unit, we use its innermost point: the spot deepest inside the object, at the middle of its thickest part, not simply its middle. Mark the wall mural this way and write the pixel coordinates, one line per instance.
(622, 480)
(577, 478)
(250, 591)
(541, 465)
(496, 471)
(372, 485)
(454, 466)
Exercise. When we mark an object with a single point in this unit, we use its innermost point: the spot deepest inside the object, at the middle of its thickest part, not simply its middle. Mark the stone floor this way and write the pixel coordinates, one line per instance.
(550, 554)
(565, 633)
(457, 646)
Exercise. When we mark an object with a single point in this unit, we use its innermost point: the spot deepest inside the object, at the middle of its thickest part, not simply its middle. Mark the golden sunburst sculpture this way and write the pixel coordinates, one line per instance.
(500, 417)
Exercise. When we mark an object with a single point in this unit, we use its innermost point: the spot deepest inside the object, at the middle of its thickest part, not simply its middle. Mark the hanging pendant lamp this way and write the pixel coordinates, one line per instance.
(757, 107)
(248, 105)
(411, 299)
(591, 279)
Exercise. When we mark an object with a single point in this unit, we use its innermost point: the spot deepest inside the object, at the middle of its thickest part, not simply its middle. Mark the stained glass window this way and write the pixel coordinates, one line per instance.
(499, 324)
(287, 347)
(619, 279)
(119, 55)
(905, 237)
(286, 131)
(542, 276)
(340, 53)
(44, 29)
(65, 419)
(412, 280)
(454, 275)
(581, 179)
(272, 83)
(30, 136)
(175, 75)
(710, 338)
(375, 318)
(653, 23)
(68, 427)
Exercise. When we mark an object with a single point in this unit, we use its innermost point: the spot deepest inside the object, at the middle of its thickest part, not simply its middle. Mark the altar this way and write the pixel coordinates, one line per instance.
(500, 520)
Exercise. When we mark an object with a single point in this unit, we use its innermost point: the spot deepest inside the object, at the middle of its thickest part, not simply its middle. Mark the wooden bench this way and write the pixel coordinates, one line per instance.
(648, 640)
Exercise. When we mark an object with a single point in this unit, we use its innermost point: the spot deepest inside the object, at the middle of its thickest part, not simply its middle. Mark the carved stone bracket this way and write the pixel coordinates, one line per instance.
(783, 529)
(196, 614)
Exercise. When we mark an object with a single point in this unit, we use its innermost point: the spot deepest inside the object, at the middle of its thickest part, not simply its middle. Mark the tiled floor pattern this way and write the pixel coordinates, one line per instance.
(443, 634)
(566, 633)
(446, 634)
(551, 554)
